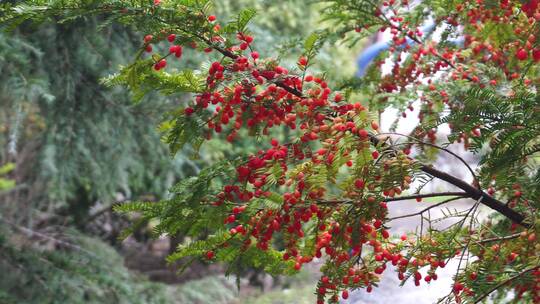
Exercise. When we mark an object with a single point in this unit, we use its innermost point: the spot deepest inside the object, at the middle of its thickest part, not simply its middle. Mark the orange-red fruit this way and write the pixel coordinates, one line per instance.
(359, 183)
(536, 54)
(522, 54)
(363, 134)
(211, 18)
(458, 287)
(188, 111)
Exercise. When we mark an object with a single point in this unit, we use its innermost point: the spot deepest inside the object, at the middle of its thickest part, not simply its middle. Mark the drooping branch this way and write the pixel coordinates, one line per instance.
(415, 196)
(502, 238)
(471, 191)
(402, 198)
(425, 209)
(476, 194)
(420, 142)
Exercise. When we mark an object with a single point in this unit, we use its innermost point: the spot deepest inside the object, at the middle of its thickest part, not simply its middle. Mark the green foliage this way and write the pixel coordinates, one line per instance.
(210, 289)
(191, 202)
(345, 176)
(113, 145)
(509, 133)
(6, 184)
(138, 77)
(88, 272)
(240, 23)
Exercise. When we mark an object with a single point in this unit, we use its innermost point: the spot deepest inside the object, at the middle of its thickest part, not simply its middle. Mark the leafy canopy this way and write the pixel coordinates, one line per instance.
(324, 190)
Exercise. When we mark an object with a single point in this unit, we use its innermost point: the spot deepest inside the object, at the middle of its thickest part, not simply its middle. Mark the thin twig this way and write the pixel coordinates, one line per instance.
(496, 239)
(426, 209)
(409, 197)
(418, 141)
(482, 297)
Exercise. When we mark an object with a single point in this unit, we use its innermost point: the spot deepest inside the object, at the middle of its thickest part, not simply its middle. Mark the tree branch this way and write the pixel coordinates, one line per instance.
(476, 194)
(471, 191)
(503, 238)
(408, 197)
(501, 284)
(425, 209)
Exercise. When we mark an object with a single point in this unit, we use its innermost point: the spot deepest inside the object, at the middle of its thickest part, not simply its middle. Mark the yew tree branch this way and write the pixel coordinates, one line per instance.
(471, 191)
(415, 196)
(425, 209)
(476, 194)
(503, 238)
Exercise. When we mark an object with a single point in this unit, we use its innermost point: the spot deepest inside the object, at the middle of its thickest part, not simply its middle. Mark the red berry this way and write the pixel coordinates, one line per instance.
(375, 154)
(160, 64)
(178, 52)
(254, 55)
(211, 18)
(458, 287)
(189, 111)
(359, 183)
(345, 294)
(363, 134)
(210, 254)
(522, 54)
(171, 37)
(536, 54)
(302, 61)
(148, 38)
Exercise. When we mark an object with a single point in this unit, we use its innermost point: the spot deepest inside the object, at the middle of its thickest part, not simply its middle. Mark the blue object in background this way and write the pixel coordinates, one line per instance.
(371, 52)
